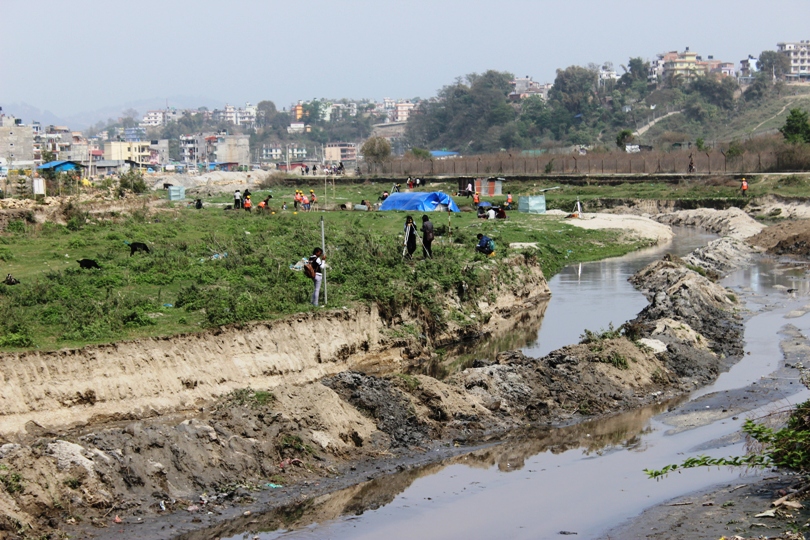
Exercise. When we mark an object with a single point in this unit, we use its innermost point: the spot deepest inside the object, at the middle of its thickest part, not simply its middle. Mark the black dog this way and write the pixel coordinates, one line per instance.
(11, 280)
(137, 246)
(88, 264)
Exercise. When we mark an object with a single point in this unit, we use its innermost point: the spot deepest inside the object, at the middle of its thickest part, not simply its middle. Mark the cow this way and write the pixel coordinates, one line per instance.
(137, 246)
(87, 264)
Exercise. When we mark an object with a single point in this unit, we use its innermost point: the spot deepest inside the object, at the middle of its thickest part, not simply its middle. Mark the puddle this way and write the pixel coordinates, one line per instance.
(586, 478)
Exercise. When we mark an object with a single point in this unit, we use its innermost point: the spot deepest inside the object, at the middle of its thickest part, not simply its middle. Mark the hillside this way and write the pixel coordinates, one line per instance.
(750, 118)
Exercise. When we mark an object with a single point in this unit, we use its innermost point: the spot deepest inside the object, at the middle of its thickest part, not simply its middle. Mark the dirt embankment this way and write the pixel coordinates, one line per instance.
(317, 413)
(791, 238)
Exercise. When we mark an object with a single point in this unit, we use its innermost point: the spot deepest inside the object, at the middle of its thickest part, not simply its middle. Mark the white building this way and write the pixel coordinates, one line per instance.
(799, 55)
(153, 119)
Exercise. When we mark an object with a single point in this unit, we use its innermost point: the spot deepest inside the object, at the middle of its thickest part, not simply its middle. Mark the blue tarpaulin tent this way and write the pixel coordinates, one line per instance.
(420, 202)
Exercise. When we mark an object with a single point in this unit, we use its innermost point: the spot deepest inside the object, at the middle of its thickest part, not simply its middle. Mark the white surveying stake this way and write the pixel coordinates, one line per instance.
(323, 269)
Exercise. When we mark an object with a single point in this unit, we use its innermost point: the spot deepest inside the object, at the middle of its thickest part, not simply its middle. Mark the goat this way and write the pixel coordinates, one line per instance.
(11, 280)
(137, 246)
(88, 264)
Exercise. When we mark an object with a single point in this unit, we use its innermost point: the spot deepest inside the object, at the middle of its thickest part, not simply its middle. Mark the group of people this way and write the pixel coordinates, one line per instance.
(243, 200)
(492, 212)
(302, 201)
(414, 183)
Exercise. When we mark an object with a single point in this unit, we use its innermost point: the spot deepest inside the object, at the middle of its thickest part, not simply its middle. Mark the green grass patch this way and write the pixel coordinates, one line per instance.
(213, 267)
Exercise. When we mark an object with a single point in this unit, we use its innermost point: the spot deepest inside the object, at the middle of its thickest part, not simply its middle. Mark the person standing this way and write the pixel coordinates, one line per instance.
(469, 190)
(509, 200)
(312, 198)
(744, 187)
(476, 198)
(237, 200)
(410, 236)
(317, 260)
(427, 237)
(247, 204)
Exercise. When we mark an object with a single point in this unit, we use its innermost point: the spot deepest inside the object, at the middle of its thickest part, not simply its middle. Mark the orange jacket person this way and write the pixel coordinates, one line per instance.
(476, 198)
(247, 204)
(744, 188)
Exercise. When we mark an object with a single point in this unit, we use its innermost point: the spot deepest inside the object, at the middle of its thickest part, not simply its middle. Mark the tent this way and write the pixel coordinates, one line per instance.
(420, 202)
(484, 204)
(532, 205)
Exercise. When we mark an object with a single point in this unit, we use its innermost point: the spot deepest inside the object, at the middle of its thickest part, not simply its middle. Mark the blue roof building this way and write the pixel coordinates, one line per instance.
(60, 166)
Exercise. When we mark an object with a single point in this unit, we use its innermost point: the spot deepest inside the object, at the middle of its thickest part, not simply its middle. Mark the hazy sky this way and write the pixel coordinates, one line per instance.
(82, 55)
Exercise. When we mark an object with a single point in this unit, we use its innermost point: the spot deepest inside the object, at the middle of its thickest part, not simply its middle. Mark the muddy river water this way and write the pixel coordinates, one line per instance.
(583, 479)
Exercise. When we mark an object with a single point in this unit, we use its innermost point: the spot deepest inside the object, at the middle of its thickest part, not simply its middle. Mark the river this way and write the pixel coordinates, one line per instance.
(582, 479)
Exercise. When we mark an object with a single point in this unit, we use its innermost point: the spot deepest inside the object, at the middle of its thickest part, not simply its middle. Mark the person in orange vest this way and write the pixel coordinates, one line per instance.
(744, 188)
(476, 198)
(297, 199)
(312, 198)
(262, 205)
(247, 204)
(509, 200)
(305, 201)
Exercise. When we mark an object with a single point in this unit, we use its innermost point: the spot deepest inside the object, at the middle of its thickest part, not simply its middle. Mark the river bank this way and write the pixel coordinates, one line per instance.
(221, 459)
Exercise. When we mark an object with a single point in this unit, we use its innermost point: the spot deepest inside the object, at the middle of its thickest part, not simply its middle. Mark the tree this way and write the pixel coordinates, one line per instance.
(266, 112)
(624, 138)
(574, 89)
(796, 128)
(418, 153)
(773, 64)
(376, 150)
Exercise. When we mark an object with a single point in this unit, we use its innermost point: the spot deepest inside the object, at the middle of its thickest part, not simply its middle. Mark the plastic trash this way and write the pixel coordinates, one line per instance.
(168, 305)
(273, 486)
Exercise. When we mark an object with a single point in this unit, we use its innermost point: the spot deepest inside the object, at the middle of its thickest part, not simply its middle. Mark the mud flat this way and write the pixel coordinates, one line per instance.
(102, 464)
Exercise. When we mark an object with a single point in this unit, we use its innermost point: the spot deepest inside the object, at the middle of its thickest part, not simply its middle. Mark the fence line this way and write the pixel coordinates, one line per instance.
(613, 163)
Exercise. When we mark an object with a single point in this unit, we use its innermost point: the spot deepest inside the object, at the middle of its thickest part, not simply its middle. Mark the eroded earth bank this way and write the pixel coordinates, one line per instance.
(179, 437)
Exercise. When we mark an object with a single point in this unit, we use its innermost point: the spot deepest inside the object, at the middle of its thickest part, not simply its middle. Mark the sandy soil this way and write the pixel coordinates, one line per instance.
(639, 226)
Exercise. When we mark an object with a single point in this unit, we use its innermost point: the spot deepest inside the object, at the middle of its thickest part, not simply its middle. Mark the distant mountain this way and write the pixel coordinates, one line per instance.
(29, 113)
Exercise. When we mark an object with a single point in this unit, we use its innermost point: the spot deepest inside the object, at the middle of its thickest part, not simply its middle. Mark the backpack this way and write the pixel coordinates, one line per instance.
(309, 271)
(491, 245)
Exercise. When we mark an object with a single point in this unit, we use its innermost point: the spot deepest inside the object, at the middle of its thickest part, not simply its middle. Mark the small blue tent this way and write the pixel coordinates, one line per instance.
(420, 202)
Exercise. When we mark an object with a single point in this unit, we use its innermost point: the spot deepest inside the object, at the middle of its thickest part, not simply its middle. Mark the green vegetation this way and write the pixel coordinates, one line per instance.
(188, 282)
(11, 481)
(247, 397)
(475, 114)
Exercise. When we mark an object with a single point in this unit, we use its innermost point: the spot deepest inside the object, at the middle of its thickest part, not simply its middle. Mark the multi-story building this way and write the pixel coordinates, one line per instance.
(191, 148)
(232, 149)
(684, 65)
(153, 119)
(340, 151)
(137, 151)
(271, 153)
(402, 110)
(799, 55)
(16, 141)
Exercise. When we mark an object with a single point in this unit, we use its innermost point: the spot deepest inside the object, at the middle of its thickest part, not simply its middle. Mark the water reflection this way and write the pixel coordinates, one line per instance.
(599, 437)
(597, 294)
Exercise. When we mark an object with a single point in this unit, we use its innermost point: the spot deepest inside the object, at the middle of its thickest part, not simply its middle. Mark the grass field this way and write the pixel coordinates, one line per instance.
(211, 267)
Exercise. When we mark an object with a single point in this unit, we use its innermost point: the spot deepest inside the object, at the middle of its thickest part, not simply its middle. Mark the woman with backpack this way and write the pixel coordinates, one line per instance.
(316, 261)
